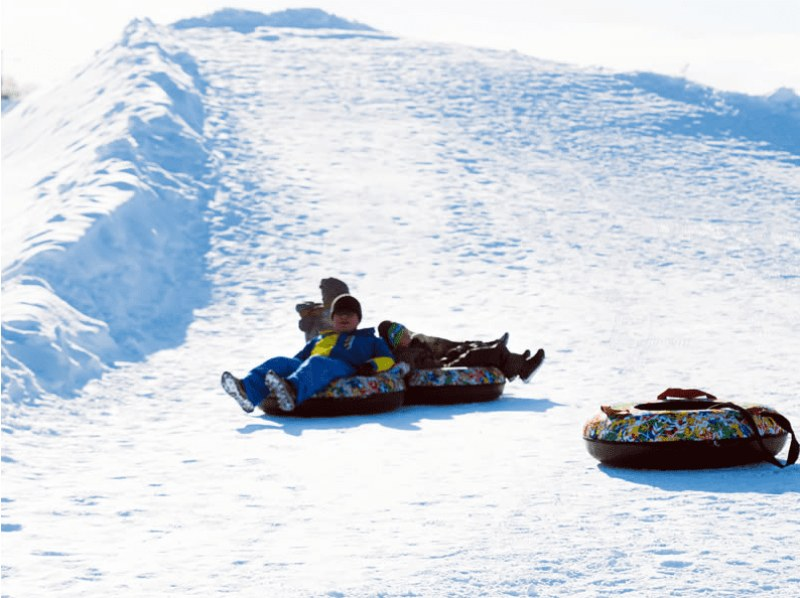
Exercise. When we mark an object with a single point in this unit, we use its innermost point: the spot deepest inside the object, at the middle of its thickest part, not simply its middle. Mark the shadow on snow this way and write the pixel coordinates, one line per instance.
(759, 478)
(406, 418)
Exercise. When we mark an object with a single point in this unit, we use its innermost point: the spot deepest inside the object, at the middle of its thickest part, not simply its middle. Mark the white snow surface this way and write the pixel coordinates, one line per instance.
(165, 210)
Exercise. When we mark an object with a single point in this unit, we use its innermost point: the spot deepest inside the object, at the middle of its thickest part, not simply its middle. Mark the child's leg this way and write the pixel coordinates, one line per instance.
(253, 383)
(316, 373)
(484, 356)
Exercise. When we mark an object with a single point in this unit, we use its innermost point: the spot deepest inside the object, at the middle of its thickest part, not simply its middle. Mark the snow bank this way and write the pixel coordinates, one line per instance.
(104, 261)
(773, 119)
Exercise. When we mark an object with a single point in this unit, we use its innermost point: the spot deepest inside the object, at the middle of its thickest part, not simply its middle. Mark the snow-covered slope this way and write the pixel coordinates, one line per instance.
(165, 210)
(104, 236)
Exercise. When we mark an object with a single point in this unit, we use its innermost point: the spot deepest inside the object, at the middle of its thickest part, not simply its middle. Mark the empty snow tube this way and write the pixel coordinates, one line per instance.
(454, 385)
(688, 429)
(355, 395)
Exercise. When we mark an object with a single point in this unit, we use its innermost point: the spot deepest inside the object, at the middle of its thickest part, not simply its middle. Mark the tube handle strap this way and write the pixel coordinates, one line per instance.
(794, 446)
(691, 394)
(685, 393)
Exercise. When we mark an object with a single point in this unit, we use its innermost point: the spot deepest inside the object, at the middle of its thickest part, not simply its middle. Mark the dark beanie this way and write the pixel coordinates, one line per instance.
(346, 303)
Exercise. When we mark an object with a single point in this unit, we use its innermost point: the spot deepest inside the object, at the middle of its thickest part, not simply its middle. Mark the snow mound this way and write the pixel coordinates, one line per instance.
(105, 260)
(774, 119)
(785, 99)
(247, 21)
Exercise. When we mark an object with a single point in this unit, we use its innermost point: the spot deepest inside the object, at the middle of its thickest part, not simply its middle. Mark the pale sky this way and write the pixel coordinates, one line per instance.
(739, 45)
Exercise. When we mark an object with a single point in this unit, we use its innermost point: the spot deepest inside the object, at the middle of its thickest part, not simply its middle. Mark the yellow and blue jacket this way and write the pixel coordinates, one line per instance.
(355, 348)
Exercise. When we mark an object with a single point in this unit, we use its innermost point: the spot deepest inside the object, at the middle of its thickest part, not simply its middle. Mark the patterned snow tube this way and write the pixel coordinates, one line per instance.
(355, 395)
(688, 433)
(444, 386)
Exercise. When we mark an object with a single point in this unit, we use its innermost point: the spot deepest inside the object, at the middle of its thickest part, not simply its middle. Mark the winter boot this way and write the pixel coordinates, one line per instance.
(233, 386)
(531, 365)
(513, 365)
(281, 390)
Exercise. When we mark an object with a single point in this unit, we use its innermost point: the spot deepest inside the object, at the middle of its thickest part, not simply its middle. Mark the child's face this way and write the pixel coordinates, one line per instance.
(345, 321)
(405, 340)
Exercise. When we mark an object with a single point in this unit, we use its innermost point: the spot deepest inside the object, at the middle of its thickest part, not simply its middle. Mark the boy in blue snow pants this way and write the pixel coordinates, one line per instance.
(307, 377)
(343, 351)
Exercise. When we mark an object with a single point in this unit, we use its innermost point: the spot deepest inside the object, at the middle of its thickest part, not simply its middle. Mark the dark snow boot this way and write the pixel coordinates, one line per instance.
(233, 386)
(513, 365)
(281, 390)
(531, 365)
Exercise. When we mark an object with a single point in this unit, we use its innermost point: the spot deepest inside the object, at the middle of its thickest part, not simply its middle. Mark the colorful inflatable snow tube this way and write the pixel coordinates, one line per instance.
(688, 429)
(454, 385)
(355, 395)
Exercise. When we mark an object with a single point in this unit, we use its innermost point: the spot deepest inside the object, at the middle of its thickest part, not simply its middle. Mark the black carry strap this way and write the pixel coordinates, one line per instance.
(794, 447)
(690, 398)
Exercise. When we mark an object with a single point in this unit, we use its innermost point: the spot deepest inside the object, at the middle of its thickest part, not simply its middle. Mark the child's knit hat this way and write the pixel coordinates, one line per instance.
(346, 303)
(391, 332)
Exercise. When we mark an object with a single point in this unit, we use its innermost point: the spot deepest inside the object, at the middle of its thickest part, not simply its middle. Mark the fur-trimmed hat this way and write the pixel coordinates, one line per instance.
(346, 303)
(331, 288)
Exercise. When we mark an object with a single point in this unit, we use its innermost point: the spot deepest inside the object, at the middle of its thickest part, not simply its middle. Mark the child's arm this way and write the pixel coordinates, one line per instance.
(381, 360)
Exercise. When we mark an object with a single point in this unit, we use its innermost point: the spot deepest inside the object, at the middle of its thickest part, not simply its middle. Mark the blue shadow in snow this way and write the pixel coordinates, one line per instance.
(774, 120)
(760, 478)
(406, 418)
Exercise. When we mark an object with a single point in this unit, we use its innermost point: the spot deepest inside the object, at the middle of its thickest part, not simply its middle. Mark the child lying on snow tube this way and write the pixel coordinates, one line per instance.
(343, 351)
(425, 352)
(419, 350)
(447, 372)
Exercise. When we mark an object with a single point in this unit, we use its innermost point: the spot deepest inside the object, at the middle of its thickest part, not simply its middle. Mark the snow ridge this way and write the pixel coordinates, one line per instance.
(131, 215)
(247, 21)
(774, 119)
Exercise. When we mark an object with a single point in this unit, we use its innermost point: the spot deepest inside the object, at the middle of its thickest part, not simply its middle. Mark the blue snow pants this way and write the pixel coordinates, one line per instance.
(306, 377)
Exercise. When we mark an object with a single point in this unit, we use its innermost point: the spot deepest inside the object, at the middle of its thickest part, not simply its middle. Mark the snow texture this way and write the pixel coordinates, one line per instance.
(165, 210)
